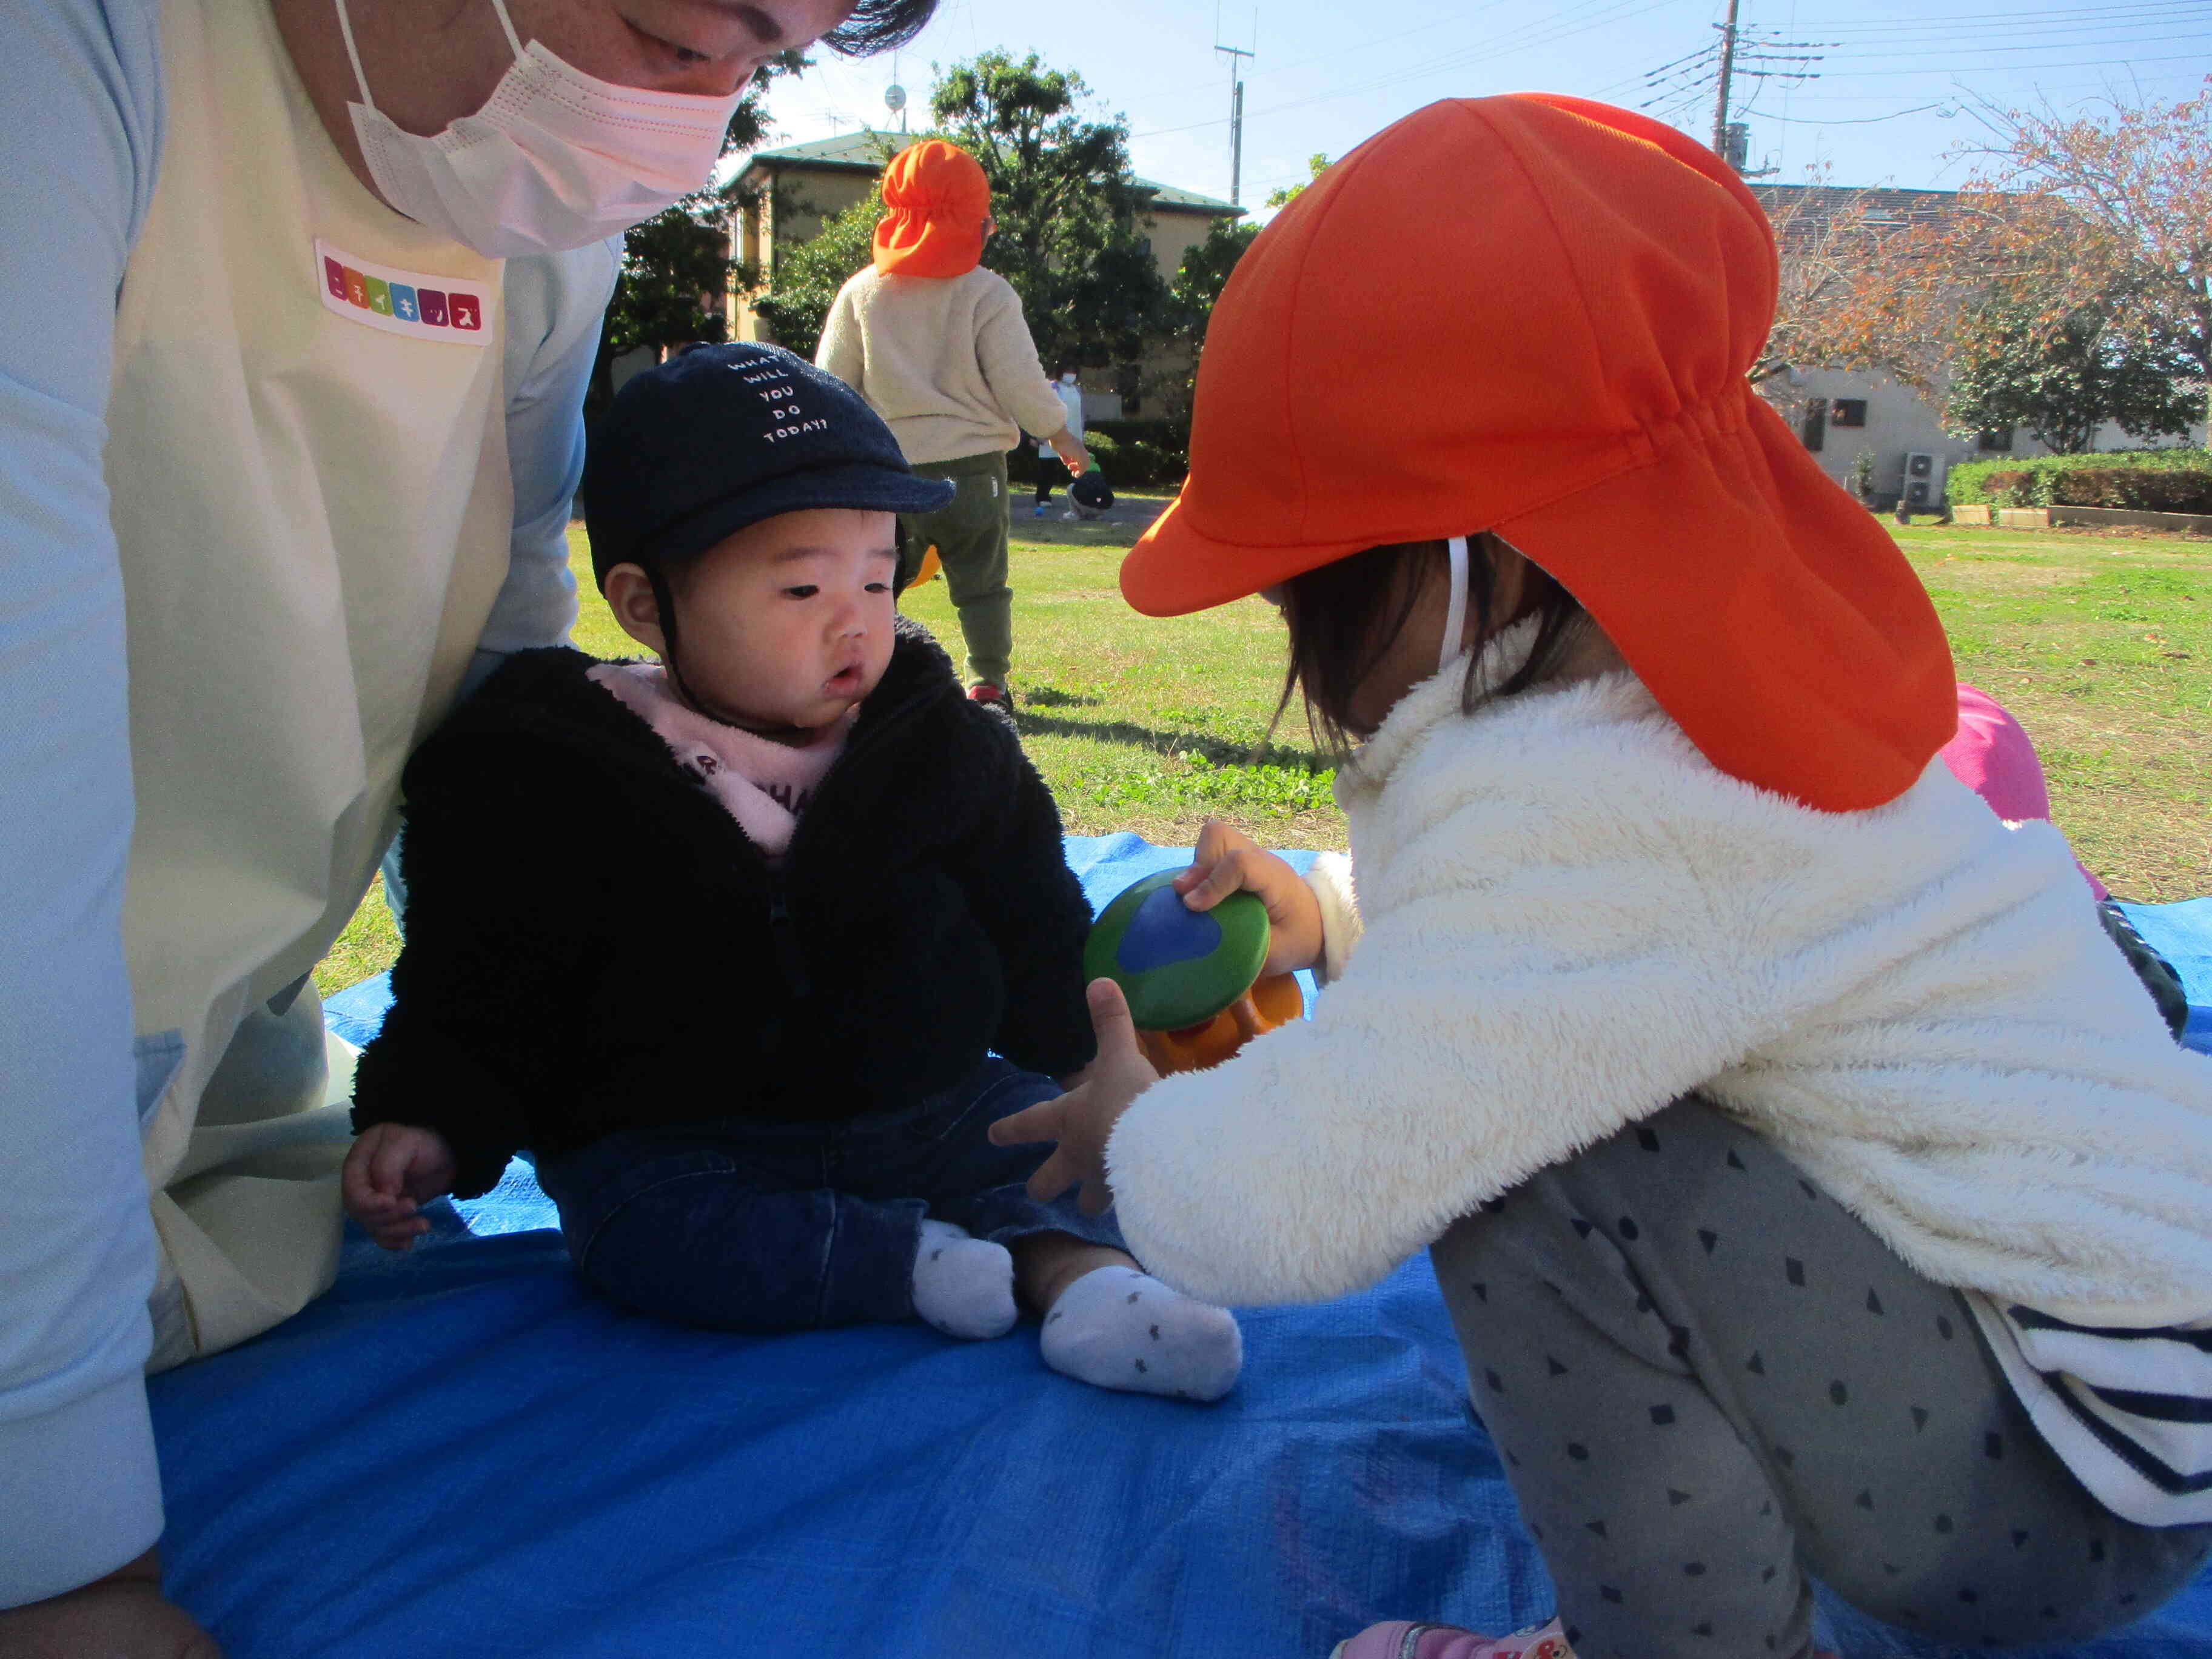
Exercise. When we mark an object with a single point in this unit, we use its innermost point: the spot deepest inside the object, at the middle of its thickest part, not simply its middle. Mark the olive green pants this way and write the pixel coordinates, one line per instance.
(970, 539)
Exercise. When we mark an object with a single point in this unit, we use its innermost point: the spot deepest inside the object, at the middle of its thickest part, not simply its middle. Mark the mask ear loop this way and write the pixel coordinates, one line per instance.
(505, 22)
(353, 54)
(1456, 612)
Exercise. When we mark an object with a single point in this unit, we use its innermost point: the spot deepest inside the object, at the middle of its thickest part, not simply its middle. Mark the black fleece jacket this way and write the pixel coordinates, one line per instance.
(594, 944)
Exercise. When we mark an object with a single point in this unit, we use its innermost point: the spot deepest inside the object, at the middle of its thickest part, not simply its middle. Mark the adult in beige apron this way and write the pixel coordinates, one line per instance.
(338, 563)
(308, 486)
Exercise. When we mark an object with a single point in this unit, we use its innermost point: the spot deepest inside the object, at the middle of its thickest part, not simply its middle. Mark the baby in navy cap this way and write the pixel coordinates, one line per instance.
(751, 947)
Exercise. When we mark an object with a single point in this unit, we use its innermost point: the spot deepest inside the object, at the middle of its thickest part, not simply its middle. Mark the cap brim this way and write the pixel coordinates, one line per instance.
(1176, 569)
(857, 486)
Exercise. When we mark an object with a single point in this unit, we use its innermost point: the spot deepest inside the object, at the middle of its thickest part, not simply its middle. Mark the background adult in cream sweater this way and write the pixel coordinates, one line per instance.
(939, 347)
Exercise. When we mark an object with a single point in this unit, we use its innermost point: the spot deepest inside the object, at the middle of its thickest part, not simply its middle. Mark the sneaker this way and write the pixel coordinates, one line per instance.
(1071, 514)
(986, 692)
(1400, 1640)
(1039, 512)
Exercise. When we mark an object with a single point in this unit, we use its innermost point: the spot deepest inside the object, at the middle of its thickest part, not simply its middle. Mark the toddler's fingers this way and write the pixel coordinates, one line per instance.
(1110, 1019)
(1031, 1124)
(388, 1163)
(1237, 869)
(399, 1235)
(1246, 1016)
(1054, 1176)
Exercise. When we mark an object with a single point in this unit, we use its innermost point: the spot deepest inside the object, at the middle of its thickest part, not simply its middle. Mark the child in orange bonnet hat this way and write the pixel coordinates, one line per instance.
(1814, 1191)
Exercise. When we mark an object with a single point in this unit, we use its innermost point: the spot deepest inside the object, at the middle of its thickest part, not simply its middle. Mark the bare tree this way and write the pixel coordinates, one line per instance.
(2111, 209)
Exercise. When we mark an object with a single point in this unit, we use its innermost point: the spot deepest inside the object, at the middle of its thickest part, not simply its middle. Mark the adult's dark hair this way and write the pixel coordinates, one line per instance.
(1343, 616)
(879, 25)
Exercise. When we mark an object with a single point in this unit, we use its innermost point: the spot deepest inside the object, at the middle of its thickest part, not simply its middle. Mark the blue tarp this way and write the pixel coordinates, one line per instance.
(457, 1452)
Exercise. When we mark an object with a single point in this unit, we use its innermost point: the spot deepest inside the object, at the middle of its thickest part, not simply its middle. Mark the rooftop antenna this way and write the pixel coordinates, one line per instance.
(1235, 104)
(894, 96)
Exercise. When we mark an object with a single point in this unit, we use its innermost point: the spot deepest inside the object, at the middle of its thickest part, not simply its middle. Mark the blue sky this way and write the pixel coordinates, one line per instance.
(1889, 106)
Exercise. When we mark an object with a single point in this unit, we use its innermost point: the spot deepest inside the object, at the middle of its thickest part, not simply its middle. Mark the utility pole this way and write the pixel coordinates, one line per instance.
(1728, 75)
(1236, 123)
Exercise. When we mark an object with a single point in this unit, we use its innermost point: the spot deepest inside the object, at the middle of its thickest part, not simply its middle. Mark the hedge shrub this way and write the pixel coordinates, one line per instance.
(2136, 480)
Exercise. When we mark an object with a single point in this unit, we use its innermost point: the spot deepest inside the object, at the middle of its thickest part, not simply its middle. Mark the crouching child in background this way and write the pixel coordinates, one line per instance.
(734, 943)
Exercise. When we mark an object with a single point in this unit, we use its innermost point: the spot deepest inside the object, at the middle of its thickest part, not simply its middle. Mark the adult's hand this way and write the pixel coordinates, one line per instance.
(122, 1616)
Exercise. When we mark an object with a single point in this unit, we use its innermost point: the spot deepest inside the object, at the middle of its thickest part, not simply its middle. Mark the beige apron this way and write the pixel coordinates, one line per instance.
(310, 492)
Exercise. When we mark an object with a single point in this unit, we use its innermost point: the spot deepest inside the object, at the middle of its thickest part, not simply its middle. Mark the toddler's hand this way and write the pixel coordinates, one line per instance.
(1082, 1119)
(1228, 861)
(392, 1170)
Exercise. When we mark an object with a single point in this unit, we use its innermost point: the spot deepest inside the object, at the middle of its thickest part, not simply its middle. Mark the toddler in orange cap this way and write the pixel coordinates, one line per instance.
(1815, 1191)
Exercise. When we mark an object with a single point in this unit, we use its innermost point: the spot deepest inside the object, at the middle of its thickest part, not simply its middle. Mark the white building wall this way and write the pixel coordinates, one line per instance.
(1900, 421)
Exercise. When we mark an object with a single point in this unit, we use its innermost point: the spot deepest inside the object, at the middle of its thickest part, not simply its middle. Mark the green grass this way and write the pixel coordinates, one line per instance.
(2102, 646)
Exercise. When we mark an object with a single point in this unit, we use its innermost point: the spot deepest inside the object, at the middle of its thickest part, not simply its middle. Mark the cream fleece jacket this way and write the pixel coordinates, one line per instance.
(947, 360)
(1572, 919)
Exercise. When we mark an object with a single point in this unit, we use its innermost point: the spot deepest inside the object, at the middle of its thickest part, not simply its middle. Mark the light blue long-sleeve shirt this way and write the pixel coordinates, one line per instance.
(81, 123)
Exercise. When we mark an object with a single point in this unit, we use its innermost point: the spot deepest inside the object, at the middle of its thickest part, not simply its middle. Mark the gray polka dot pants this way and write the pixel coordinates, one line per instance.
(1710, 1384)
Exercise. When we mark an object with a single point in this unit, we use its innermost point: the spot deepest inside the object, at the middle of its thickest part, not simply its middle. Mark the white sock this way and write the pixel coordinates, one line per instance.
(1115, 1328)
(963, 1286)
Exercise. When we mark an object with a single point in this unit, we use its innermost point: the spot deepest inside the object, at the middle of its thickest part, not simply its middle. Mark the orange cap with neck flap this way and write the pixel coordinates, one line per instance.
(938, 199)
(1534, 315)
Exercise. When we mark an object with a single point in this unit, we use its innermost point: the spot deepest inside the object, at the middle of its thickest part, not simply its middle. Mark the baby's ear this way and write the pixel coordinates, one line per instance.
(629, 595)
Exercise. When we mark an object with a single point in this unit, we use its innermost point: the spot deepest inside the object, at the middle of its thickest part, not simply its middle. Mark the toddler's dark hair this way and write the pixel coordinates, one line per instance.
(1343, 615)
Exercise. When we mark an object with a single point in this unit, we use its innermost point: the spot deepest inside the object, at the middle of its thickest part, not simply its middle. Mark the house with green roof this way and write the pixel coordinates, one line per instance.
(789, 193)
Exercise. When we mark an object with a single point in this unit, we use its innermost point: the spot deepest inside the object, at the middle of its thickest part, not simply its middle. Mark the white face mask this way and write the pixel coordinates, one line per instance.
(556, 160)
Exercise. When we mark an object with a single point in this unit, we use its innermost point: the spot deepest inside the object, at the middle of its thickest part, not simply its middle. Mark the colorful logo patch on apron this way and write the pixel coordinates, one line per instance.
(420, 306)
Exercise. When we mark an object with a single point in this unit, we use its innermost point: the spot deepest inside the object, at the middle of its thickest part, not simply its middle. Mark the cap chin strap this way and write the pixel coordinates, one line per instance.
(1455, 612)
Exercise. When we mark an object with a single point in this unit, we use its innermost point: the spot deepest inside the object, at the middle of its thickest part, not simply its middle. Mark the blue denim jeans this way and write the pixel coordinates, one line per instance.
(741, 1224)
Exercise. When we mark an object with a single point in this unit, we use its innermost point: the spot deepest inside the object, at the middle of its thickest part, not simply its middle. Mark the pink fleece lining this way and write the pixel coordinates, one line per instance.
(763, 784)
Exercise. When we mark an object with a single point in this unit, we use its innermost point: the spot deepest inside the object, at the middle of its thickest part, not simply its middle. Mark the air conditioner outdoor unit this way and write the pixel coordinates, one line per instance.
(1924, 480)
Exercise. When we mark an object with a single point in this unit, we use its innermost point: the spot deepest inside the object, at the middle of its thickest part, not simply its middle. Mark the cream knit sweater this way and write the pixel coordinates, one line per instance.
(947, 360)
(1572, 919)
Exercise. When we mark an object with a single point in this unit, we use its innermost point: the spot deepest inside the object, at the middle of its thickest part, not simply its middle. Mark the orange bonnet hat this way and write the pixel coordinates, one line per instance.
(939, 199)
(1534, 315)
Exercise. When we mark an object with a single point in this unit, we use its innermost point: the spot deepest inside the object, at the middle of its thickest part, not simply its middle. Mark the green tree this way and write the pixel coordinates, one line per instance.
(2061, 378)
(1071, 235)
(1315, 165)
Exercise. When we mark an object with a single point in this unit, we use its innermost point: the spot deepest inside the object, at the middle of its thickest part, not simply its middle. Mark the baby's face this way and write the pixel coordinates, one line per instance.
(786, 625)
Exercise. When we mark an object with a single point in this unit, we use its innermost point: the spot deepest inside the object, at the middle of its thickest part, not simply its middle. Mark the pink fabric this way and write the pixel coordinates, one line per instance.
(1991, 755)
(763, 784)
(1400, 1640)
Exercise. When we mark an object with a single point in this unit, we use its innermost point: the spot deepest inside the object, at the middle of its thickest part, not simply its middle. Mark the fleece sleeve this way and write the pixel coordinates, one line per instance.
(80, 128)
(1008, 357)
(490, 984)
(1502, 1013)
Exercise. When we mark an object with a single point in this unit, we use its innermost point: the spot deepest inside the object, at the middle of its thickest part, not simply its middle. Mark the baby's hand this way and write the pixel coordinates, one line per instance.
(1228, 861)
(392, 1170)
(1082, 1119)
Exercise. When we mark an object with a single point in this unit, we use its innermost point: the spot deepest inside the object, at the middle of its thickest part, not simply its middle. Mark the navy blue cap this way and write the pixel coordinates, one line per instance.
(725, 436)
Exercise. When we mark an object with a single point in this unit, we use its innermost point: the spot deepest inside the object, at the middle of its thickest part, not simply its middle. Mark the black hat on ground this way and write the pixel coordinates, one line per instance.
(1092, 490)
(725, 436)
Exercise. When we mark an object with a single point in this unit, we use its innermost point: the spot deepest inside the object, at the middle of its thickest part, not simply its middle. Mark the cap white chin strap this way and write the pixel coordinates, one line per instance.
(1455, 612)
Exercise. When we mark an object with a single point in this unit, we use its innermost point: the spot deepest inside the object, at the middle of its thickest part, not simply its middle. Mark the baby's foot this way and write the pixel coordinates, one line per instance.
(1115, 1328)
(963, 1286)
